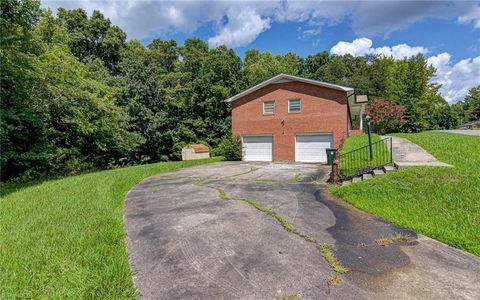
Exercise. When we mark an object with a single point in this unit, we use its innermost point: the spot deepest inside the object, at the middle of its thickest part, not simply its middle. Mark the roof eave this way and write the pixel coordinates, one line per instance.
(290, 77)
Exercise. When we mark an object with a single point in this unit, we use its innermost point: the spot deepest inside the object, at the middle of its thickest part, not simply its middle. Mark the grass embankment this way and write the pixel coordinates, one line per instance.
(440, 202)
(360, 159)
(65, 238)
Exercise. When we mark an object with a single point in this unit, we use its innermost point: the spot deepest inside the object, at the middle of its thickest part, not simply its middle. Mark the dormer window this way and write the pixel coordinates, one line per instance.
(268, 107)
(294, 105)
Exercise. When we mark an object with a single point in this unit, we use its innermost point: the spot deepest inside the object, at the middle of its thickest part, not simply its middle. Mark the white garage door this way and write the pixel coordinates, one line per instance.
(257, 148)
(311, 148)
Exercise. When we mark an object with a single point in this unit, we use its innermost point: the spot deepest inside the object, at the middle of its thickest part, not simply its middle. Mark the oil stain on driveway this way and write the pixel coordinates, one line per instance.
(237, 230)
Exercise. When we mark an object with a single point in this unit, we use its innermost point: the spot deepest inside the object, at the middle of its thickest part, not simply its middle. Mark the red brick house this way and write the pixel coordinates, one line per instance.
(290, 118)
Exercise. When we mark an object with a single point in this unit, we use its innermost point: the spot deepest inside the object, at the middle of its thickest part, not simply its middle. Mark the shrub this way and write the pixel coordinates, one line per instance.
(386, 116)
(230, 147)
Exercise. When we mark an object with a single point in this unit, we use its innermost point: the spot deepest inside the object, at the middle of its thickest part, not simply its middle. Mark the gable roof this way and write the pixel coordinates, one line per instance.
(285, 78)
(199, 148)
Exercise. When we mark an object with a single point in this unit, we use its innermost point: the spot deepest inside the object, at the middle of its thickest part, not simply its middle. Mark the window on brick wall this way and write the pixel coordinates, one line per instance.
(268, 107)
(294, 105)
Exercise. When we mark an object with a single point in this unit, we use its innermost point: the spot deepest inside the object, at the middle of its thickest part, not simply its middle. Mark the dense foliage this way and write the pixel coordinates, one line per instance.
(230, 148)
(76, 95)
(386, 116)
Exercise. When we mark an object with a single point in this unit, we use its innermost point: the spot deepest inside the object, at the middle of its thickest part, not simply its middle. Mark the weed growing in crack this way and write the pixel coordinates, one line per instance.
(273, 214)
(288, 297)
(327, 253)
(250, 171)
(221, 192)
(333, 279)
(199, 181)
(397, 237)
(331, 259)
(296, 178)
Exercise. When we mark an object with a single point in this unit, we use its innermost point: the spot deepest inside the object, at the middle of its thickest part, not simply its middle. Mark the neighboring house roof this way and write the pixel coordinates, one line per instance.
(199, 148)
(285, 78)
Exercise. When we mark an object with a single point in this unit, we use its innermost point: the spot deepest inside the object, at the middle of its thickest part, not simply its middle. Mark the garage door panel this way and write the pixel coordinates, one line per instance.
(311, 148)
(257, 148)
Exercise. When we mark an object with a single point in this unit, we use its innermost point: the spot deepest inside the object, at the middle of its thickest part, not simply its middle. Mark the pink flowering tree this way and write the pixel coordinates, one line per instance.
(386, 116)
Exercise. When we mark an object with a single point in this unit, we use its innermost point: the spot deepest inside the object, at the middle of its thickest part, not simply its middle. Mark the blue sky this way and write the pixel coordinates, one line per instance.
(447, 32)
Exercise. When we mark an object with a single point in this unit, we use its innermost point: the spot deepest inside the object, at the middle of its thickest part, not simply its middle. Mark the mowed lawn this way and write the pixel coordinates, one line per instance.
(64, 238)
(359, 159)
(442, 203)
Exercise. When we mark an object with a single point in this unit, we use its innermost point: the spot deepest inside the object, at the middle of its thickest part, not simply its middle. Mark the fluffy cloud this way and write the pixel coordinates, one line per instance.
(242, 28)
(143, 18)
(456, 79)
(363, 46)
(472, 16)
(358, 47)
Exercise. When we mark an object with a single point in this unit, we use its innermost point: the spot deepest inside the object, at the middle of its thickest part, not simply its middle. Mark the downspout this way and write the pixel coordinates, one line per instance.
(349, 115)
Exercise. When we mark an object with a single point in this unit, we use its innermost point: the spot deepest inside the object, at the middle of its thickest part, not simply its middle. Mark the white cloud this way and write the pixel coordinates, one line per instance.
(242, 28)
(363, 46)
(358, 47)
(144, 18)
(456, 79)
(400, 51)
(472, 16)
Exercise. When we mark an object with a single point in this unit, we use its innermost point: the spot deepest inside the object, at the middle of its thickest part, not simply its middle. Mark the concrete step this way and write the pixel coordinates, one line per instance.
(389, 169)
(356, 179)
(346, 182)
(367, 176)
(378, 172)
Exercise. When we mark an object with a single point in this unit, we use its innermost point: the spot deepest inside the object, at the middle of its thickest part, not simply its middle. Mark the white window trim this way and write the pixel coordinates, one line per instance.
(294, 112)
(269, 113)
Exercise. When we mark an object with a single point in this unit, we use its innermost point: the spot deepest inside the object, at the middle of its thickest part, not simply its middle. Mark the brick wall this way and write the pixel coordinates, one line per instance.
(356, 131)
(324, 110)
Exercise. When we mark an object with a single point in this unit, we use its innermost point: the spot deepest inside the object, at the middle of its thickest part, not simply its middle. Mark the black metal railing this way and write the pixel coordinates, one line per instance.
(363, 160)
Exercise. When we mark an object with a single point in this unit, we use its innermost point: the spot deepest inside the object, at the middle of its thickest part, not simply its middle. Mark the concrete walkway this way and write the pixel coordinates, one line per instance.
(407, 154)
(459, 131)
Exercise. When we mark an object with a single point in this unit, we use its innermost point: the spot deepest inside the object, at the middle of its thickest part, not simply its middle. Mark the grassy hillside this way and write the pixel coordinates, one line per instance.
(443, 203)
(65, 238)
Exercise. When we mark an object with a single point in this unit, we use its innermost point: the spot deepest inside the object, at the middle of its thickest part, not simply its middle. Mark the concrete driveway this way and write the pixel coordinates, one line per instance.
(236, 230)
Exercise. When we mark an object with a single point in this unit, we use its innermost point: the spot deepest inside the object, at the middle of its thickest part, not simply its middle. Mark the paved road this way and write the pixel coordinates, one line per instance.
(466, 132)
(194, 234)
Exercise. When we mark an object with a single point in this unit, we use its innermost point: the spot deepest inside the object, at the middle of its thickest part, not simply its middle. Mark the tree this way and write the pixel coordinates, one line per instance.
(165, 53)
(94, 36)
(219, 78)
(471, 104)
(85, 128)
(408, 85)
(260, 66)
(22, 131)
(385, 116)
(314, 62)
(141, 97)
(193, 53)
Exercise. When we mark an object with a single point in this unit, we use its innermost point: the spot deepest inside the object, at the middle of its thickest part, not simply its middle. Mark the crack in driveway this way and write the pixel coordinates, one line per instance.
(184, 243)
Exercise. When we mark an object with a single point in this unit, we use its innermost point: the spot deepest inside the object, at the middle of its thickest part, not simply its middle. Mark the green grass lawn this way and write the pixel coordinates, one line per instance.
(442, 203)
(358, 141)
(65, 238)
(352, 162)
